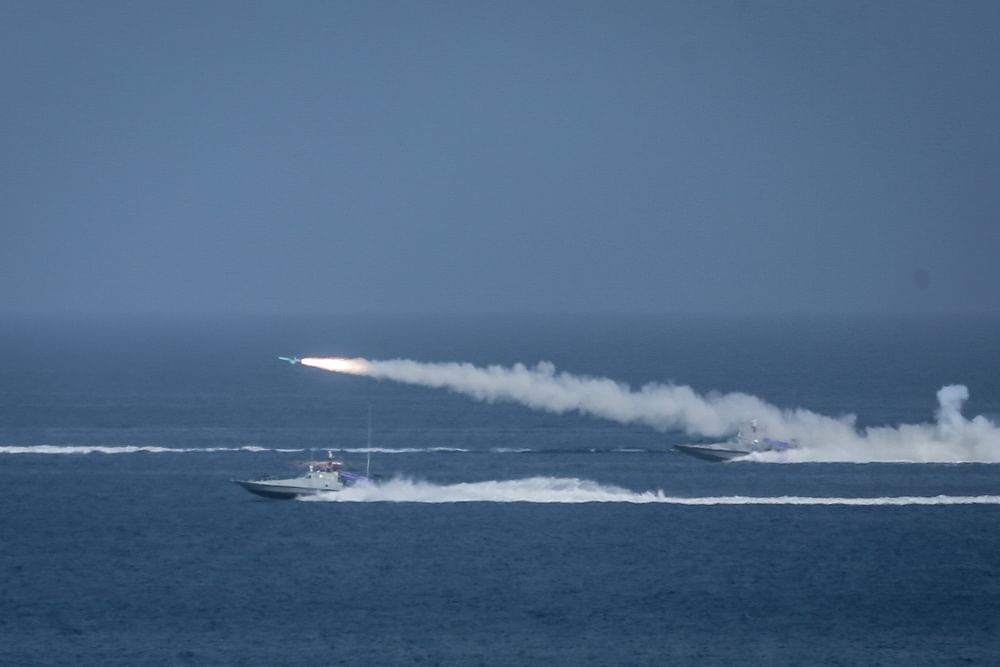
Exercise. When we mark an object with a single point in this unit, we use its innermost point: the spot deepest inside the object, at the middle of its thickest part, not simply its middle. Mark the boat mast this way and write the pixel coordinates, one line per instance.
(368, 462)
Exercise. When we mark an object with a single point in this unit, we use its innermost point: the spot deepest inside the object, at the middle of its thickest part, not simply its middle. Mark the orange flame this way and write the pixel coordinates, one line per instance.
(338, 364)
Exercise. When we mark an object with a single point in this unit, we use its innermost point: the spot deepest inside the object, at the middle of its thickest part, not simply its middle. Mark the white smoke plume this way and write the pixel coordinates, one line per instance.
(667, 407)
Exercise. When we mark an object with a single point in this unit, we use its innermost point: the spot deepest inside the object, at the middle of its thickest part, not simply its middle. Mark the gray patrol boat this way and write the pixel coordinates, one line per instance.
(322, 477)
(737, 447)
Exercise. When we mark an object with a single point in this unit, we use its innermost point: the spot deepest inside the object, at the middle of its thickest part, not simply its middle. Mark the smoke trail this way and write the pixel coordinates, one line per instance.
(574, 491)
(952, 438)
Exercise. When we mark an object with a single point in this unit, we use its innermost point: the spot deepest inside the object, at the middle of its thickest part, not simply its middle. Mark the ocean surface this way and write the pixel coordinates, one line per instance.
(497, 535)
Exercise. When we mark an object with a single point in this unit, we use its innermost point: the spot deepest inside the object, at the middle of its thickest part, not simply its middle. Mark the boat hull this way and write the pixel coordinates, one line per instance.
(712, 453)
(286, 489)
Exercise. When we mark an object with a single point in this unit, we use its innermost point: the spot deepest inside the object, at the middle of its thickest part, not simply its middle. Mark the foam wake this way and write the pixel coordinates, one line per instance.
(573, 490)
(399, 450)
(153, 449)
(130, 449)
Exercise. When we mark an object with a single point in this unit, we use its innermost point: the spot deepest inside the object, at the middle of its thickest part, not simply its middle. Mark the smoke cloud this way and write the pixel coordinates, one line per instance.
(667, 407)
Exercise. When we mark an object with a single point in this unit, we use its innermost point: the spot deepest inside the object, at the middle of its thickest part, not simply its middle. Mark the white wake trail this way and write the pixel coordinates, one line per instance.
(668, 407)
(129, 449)
(575, 491)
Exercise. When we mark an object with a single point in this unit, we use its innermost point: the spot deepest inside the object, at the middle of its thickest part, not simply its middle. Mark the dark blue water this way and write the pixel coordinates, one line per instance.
(153, 557)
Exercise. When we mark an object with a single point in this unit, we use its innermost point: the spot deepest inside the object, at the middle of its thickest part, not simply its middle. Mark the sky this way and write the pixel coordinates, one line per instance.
(500, 157)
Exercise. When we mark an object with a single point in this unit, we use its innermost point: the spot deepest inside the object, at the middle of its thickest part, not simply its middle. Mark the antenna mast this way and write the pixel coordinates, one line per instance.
(368, 462)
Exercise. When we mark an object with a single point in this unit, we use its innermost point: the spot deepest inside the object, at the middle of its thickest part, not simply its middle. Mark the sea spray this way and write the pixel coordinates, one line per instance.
(576, 491)
(132, 449)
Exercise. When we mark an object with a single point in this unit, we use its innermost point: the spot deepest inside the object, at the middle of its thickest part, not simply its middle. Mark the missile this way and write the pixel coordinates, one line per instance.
(291, 360)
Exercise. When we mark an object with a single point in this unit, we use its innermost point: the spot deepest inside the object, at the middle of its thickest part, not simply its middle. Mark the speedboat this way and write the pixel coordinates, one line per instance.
(736, 447)
(322, 477)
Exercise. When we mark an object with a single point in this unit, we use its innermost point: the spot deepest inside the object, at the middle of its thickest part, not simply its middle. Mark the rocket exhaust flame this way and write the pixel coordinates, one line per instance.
(338, 365)
(665, 407)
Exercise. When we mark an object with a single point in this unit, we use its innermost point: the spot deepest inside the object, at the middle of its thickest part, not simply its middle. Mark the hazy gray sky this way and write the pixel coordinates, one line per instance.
(500, 156)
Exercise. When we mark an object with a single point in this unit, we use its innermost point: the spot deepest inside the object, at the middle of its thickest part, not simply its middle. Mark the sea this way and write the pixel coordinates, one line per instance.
(494, 534)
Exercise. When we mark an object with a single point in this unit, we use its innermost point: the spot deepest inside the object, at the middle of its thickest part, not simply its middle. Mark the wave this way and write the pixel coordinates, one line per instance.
(131, 449)
(573, 491)
(759, 457)
(154, 449)
(831, 456)
(398, 450)
(491, 450)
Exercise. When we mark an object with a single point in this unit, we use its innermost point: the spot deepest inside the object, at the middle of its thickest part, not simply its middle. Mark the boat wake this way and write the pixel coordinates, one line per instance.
(130, 449)
(154, 449)
(400, 450)
(573, 490)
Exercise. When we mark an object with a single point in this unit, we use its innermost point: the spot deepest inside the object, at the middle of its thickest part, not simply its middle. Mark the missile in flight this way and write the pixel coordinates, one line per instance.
(291, 360)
